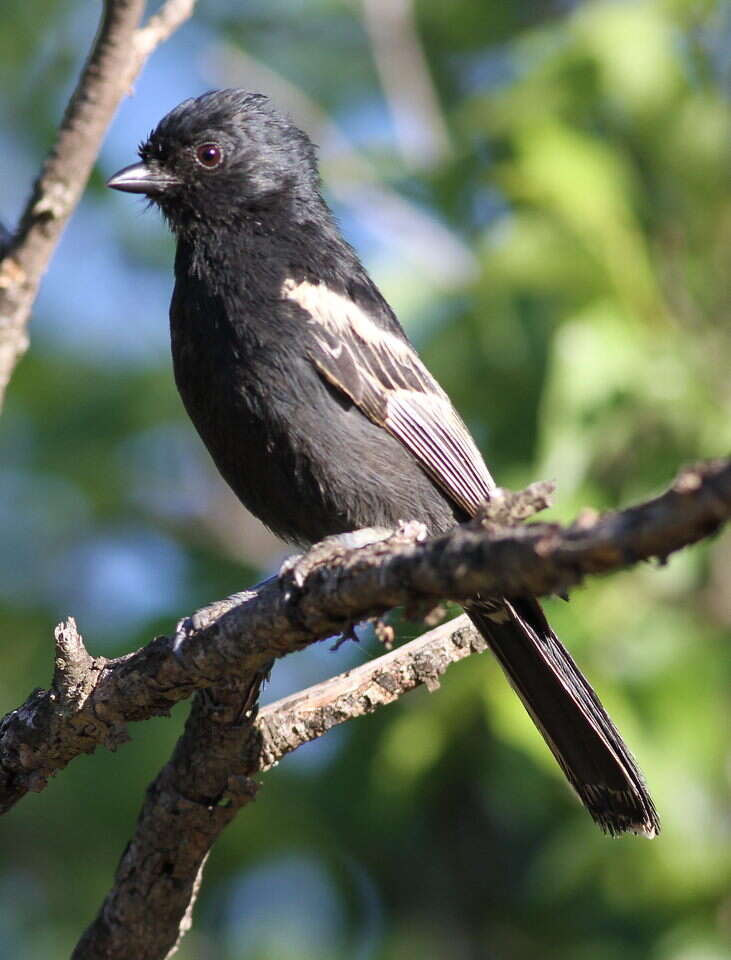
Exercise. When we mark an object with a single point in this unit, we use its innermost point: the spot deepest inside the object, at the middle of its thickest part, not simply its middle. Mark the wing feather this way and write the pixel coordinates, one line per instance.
(379, 370)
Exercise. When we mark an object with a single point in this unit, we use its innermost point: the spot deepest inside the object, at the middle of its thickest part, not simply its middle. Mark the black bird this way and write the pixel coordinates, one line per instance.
(317, 409)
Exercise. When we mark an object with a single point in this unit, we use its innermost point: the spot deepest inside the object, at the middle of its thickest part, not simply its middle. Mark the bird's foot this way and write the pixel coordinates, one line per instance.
(295, 569)
(347, 634)
(189, 626)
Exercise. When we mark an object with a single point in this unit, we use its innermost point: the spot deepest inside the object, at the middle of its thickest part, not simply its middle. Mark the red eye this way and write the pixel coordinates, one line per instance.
(209, 155)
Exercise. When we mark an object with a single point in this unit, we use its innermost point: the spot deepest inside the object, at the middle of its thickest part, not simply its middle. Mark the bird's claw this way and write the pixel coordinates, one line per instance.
(290, 572)
(295, 569)
(183, 629)
(347, 634)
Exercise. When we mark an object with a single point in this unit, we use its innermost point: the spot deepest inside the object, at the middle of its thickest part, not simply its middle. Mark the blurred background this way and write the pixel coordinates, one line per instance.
(542, 191)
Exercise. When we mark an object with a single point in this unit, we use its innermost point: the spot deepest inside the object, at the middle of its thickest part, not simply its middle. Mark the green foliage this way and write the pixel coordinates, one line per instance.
(589, 342)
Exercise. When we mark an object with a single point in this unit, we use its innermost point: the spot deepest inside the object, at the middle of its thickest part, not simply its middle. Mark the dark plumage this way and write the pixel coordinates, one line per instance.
(316, 408)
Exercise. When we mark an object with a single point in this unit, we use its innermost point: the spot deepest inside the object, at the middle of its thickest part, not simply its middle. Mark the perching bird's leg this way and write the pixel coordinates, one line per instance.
(295, 569)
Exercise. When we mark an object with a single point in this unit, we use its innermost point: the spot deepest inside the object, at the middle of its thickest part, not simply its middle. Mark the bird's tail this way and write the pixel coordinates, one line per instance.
(568, 714)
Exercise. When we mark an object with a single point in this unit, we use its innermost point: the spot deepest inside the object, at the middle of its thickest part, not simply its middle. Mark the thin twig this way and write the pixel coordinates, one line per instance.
(159, 28)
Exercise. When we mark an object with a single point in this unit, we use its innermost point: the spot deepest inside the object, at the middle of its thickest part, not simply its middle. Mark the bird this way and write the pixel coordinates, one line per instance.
(317, 409)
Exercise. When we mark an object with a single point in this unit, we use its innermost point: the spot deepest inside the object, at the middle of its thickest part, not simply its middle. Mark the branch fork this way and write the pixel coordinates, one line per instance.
(225, 650)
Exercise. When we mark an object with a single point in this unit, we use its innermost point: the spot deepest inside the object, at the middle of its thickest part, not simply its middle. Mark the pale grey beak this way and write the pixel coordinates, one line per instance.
(141, 178)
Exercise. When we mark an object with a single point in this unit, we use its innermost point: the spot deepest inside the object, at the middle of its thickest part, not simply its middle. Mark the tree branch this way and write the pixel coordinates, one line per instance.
(242, 634)
(119, 53)
(195, 795)
(304, 716)
(227, 647)
(157, 30)
(209, 779)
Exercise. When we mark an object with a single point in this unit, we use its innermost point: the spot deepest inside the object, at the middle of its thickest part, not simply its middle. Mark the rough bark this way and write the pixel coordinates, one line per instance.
(195, 795)
(210, 778)
(304, 716)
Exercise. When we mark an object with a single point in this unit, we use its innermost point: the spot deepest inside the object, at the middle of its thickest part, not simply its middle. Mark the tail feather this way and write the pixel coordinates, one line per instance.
(568, 714)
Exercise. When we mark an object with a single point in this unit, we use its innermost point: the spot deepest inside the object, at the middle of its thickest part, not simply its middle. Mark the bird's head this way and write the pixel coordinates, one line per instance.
(222, 156)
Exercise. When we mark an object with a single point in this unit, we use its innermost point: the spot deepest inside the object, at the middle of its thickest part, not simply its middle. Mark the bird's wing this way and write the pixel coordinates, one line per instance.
(383, 375)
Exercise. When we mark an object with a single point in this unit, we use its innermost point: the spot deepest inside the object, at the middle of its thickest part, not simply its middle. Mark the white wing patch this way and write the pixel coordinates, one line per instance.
(383, 375)
(340, 316)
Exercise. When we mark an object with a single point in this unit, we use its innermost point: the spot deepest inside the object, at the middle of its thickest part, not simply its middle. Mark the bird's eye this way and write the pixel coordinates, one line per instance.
(209, 155)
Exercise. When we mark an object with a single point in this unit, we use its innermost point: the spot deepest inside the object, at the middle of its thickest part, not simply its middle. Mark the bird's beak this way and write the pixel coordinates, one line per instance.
(142, 178)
